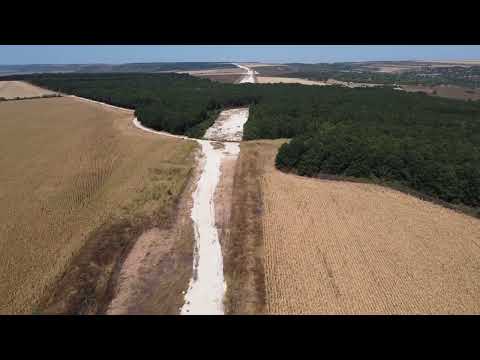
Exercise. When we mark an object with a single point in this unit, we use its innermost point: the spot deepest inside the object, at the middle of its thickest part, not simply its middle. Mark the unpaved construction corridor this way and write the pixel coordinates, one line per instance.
(207, 286)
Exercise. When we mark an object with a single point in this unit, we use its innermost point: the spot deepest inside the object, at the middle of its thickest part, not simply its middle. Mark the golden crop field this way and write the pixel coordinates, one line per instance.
(67, 167)
(14, 89)
(334, 247)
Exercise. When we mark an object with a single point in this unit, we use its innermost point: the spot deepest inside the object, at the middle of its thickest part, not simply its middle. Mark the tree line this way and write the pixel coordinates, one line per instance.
(429, 144)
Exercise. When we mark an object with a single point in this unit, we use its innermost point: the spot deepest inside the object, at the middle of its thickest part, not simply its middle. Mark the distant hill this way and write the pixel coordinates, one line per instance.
(101, 68)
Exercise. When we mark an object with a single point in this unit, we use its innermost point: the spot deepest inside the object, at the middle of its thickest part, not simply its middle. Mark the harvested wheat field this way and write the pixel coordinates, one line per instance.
(334, 247)
(20, 89)
(70, 168)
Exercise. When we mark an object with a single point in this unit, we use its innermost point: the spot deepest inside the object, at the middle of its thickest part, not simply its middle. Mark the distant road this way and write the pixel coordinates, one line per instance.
(249, 77)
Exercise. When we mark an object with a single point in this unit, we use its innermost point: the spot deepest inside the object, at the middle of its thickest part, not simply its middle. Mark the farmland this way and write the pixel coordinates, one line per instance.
(401, 72)
(95, 214)
(428, 144)
(79, 184)
(447, 91)
(334, 247)
(20, 89)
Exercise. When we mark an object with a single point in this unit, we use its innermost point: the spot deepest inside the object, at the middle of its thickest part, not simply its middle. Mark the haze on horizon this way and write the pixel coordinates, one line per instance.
(117, 54)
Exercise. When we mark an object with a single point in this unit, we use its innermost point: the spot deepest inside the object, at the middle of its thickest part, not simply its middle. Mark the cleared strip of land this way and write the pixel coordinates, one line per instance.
(228, 126)
(286, 80)
(255, 65)
(334, 247)
(79, 184)
(211, 212)
(20, 89)
(234, 71)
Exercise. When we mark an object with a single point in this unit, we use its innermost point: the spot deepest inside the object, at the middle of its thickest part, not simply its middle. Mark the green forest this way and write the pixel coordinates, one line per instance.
(428, 144)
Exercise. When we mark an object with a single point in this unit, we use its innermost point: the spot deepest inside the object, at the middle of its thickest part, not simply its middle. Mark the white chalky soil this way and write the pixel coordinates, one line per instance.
(229, 126)
(249, 77)
(207, 286)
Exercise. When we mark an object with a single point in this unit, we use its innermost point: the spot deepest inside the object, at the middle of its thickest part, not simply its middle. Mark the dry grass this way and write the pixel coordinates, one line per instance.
(338, 247)
(231, 71)
(71, 172)
(350, 84)
(448, 91)
(242, 244)
(157, 270)
(20, 89)
(287, 80)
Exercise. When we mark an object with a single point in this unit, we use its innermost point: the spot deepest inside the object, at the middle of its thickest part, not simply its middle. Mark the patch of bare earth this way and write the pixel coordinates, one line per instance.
(338, 247)
(349, 83)
(287, 80)
(272, 70)
(232, 71)
(155, 274)
(134, 265)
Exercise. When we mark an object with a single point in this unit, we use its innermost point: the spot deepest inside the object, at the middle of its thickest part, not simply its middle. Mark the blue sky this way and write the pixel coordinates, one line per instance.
(68, 54)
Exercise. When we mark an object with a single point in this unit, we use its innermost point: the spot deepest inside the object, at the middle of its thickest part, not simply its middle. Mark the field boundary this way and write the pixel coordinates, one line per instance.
(31, 97)
(89, 282)
(463, 209)
(244, 250)
(342, 247)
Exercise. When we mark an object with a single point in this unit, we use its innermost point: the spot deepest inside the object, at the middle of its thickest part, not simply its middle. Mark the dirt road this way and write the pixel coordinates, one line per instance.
(228, 126)
(249, 77)
(207, 286)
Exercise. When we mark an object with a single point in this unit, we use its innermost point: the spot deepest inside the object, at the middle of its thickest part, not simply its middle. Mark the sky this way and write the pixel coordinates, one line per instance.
(116, 54)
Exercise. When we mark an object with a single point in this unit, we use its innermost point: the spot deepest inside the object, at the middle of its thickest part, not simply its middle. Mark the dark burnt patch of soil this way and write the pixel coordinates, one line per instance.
(243, 249)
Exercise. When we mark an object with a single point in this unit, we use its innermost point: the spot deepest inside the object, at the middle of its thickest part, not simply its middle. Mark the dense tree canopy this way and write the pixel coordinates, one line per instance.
(427, 143)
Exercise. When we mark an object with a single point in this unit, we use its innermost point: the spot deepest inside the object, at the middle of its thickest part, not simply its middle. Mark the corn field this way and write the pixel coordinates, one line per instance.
(336, 247)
